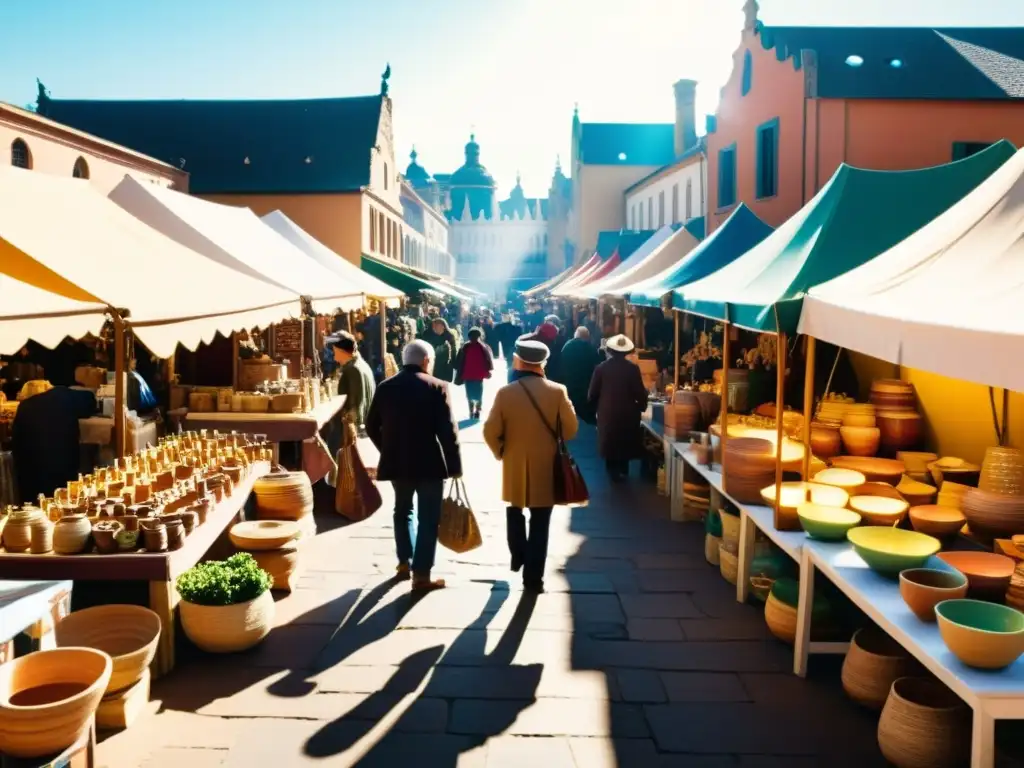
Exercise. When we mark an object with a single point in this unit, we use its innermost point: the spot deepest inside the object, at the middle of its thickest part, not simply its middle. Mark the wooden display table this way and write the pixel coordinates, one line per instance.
(33, 606)
(278, 427)
(160, 569)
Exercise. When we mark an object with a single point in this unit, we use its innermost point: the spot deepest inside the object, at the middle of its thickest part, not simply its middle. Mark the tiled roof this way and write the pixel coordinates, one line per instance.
(627, 143)
(292, 146)
(908, 62)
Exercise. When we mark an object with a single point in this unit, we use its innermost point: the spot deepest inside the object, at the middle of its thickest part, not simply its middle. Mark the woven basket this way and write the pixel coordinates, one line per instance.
(728, 563)
(730, 528)
(873, 663)
(282, 564)
(781, 619)
(924, 725)
(712, 544)
(128, 633)
(228, 628)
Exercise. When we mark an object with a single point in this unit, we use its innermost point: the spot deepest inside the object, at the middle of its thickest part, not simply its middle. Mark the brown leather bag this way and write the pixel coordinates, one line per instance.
(570, 487)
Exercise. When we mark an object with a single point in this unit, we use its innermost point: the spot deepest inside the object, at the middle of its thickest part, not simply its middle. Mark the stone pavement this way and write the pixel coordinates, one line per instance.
(637, 655)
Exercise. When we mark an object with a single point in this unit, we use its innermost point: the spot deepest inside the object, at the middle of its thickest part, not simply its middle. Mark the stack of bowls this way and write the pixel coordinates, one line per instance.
(917, 463)
(859, 415)
(893, 395)
(833, 409)
(1002, 471)
(888, 471)
(952, 495)
(991, 515)
(749, 466)
(794, 494)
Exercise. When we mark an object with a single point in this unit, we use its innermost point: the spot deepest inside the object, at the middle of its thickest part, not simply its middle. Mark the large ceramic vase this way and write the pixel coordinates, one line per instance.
(228, 628)
(924, 725)
(48, 699)
(873, 663)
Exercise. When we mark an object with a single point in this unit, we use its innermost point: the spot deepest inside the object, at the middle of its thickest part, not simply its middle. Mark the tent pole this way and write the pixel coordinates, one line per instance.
(780, 386)
(725, 389)
(383, 332)
(119, 375)
(234, 360)
(808, 402)
(675, 351)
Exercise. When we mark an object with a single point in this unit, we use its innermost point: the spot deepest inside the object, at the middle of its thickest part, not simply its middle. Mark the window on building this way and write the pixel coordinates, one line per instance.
(675, 203)
(373, 229)
(748, 73)
(661, 209)
(962, 149)
(81, 169)
(20, 156)
(650, 212)
(385, 176)
(768, 159)
(382, 222)
(727, 177)
(689, 199)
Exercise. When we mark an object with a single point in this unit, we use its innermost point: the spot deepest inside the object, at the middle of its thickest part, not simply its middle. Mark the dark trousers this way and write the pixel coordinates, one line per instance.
(529, 549)
(416, 537)
(617, 468)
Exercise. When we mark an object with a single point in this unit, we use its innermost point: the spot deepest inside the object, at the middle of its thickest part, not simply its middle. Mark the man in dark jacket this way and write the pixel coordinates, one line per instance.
(411, 423)
(45, 439)
(618, 394)
(579, 358)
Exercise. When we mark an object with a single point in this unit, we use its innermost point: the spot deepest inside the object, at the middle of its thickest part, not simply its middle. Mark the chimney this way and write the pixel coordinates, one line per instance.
(686, 115)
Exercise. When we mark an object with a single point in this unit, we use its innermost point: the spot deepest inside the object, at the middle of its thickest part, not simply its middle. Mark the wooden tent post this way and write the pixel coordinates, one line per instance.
(780, 387)
(675, 351)
(119, 375)
(809, 358)
(234, 360)
(383, 332)
(725, 389)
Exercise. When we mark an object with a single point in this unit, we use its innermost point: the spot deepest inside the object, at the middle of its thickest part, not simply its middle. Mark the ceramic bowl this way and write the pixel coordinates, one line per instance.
(987, 573)
(900, 430)
(954, 469)
(915, 492)
(924, 588)
(875, 470)
(826, 523)
(980, 634)
(846, 479)
(860, 440)
(936, 521)
(993, 514)
(891, 550)
(879, 510)
(127, 633)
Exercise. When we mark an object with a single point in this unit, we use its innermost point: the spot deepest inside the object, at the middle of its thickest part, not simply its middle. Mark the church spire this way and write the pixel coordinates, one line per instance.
(750, 9)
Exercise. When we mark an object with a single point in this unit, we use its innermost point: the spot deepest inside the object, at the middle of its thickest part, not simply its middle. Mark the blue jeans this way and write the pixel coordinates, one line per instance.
(421, 529)
(475, 391)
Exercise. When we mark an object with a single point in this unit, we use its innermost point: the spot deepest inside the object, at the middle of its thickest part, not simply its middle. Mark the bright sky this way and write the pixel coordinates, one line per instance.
(510, 70)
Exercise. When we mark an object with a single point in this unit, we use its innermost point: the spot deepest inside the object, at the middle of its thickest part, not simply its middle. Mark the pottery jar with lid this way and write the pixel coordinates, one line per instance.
(154, 536)
(71, 534)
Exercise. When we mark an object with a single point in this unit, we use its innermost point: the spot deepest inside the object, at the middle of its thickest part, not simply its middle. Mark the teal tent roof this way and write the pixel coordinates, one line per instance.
(737, 235)
(627, 143)
(404, 279)
(856, 216)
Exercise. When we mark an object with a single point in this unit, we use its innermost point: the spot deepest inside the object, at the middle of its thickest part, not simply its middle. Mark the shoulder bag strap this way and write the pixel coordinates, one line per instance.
(536, 406)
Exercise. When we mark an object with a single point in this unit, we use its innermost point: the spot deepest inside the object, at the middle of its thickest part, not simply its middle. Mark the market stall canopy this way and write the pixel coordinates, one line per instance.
(27, 312)
(63, 236)
(737, 235)
(550, 283)
(856, 216)
(948, 299)
(663, 249)
(577, 273)
(612, 249)
(397, 276)
(350, 273)
(236, 238)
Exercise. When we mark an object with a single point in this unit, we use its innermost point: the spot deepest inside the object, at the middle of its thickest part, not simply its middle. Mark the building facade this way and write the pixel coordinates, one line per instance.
(424, 234)
(803, 100)
(328, 164)
(29, 140)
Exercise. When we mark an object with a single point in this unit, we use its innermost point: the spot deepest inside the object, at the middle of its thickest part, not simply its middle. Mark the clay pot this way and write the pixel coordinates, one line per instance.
(71, 534)
(128, 633)
(825, 441)
(104, 535)
(48, 699)
(936, 521)
(924, 725)
(154, 537)
(127, 540)
(900, 430)
(860, 441)
(228, 628)
(17, 533)
(282, 564)
(42, 536)
(924, 588)
(131, 522)
(189, 519)
(872, 664)
(284, 496)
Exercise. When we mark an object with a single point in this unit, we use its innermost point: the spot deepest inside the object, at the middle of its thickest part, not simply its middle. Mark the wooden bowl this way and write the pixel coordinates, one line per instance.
(988, 574)
(924, 588)
(879, 489)
(129, 634)
(936, 521)
(954, 469)
(48, 699)
(847, 479)
(879, 510)
(874, 470)
(916, 493)
(860, 441)
(263, 535)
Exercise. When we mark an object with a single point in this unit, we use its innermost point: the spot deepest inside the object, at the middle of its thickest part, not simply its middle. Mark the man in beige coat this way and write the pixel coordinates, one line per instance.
(520, 431)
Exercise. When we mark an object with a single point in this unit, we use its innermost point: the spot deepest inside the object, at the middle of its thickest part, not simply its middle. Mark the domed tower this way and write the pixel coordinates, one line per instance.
(416, 174)
(474, 184)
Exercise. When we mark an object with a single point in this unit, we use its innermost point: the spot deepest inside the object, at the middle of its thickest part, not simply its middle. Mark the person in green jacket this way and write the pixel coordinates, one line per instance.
(578, 360)
(356, 382)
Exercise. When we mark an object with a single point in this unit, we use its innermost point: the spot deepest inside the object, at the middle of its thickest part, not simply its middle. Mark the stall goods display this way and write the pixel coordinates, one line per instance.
(980, 634)
(793, 494)
(937, 521)
(924, 588)
(148, 502)
(924, 725)
(879, 510)
(284, 496)
(873, 663)
(988, 574)
(1002, 472)
(827, 523)
(127, 633)
(916, 493)
(954, 469)
(847, 479)
(48, 699)
(875, 470)
(990, 514)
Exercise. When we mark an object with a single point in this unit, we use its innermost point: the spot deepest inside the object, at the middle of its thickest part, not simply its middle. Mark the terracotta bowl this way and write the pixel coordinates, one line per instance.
(988, 574)
(924, 588)
(860, 441)
(936, 521)
(847, 479)
(956, 470)
(983, 635)
(888, 471)
(915, 492)
(879, 510)
(879, 489)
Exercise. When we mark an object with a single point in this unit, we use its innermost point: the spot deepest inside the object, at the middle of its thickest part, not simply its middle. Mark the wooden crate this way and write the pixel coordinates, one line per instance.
(119, 710)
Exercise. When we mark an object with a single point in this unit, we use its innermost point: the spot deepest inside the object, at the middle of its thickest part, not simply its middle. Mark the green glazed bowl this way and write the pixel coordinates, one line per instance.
(826, 523)
(891, 550)
(980, 634)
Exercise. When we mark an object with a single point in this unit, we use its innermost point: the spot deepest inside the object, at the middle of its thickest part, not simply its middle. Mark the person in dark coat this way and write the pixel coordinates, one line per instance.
(45, 439)
(618, 394)
(579, 358)
(410, 421)
(440, 337)
(505, 336)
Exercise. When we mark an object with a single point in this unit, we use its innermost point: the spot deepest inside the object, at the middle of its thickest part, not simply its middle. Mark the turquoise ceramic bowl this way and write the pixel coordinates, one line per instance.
(891, 550)
(980, 634)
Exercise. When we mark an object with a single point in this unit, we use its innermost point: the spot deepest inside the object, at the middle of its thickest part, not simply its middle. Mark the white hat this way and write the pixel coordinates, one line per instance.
(620, 343)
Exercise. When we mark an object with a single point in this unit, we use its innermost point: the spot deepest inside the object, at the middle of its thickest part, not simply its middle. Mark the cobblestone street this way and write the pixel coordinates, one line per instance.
(637, 655)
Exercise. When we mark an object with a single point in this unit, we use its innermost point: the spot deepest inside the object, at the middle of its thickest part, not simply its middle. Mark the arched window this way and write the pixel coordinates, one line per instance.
(20, 155)
(81, 170)
(748, 72)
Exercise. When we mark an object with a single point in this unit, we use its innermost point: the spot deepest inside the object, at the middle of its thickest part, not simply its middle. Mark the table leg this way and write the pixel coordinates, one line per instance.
(805, 601)
(675, 483)
(748, 532)
(983, 737)
(163, 599)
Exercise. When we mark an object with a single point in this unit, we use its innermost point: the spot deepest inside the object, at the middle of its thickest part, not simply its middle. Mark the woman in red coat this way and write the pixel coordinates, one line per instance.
(473, 364)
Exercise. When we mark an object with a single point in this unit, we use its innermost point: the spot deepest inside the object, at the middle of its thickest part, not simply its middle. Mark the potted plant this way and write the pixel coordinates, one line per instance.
(226, 605)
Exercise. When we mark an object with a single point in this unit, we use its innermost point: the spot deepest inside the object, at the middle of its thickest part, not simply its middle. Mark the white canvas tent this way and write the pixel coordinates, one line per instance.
(238, 239)
(27, 312)
(64, 237)
(350, 273)
(948, 299)
(660, 251)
